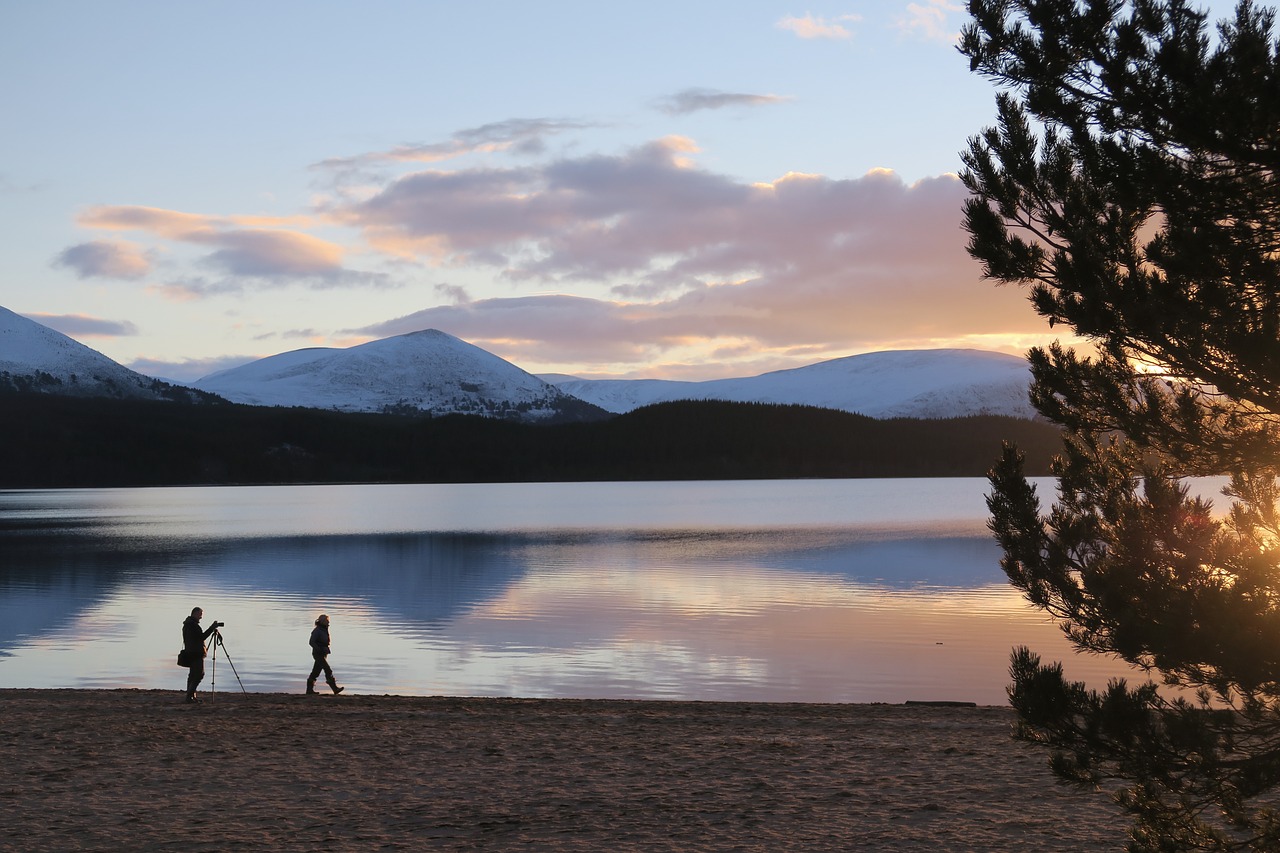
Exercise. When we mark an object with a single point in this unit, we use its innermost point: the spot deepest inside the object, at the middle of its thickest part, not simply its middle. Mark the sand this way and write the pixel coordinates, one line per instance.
(141, 770)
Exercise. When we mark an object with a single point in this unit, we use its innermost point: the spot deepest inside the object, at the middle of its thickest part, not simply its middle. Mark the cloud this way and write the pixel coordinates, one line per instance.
(82, 326)
(650, 222)
(590, 217)
(695, 100)
(519, 135)
(638, 257)
(802, 265)
(314, 335)
(454, 293)
(242, 254)
(171, 224)
(556, 327)
(188, 370)
(931, 20)
(810, 27)
(270, 254)
(105, 259)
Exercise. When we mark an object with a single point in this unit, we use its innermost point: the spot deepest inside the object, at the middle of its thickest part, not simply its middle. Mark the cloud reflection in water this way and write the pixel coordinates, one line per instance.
(93, 592)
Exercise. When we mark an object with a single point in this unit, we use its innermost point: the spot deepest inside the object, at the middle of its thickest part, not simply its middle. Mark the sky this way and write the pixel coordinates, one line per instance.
(689, 190)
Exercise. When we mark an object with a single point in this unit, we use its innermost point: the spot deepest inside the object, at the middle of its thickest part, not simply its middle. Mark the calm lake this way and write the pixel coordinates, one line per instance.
(809, 591)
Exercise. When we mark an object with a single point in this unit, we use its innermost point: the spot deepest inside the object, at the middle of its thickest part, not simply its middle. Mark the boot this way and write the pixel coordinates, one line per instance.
(311, 687)
(333, 685)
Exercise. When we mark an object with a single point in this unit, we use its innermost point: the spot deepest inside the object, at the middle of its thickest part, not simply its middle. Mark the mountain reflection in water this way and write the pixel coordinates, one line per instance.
(94, 586)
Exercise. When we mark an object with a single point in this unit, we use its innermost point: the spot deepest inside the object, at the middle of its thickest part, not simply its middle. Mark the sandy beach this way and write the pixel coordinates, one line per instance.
(141, 770)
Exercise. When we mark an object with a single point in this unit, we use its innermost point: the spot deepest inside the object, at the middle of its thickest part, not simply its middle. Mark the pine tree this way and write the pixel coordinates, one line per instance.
(1131, 184)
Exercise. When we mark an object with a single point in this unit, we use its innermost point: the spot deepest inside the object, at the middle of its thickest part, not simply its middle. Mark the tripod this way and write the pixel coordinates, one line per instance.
(214, 645)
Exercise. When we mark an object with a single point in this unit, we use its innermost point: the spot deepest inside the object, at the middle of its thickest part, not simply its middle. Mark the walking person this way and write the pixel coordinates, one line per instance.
(320, 651)
(193, 647)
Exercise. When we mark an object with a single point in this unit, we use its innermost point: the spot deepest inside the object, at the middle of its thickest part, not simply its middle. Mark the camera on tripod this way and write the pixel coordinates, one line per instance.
(217, 625)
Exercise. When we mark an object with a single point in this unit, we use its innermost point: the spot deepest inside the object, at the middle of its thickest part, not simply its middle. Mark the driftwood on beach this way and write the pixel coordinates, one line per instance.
(140, 770)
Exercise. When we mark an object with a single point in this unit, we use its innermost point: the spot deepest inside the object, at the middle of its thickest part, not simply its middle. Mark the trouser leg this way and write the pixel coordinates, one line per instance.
(322, 665)
(195, 674)
(319, 666)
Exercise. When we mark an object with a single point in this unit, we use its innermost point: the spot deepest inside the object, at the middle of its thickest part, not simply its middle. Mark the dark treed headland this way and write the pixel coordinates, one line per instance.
(49, 441)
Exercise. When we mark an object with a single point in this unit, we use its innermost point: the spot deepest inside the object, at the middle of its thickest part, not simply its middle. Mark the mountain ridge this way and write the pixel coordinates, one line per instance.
(938, 383)
(427, 371)
(432, 372)
(35, 358)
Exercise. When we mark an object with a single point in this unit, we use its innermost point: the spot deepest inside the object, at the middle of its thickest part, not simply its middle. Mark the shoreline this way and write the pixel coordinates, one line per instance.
(142, 770)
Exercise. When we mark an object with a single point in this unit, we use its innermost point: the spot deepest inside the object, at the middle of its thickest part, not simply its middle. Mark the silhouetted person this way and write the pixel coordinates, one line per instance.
(193, 644)
(320, 651)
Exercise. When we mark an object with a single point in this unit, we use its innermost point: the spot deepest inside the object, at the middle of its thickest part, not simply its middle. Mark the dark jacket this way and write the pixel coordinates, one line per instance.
(193, 636)
(320, 641)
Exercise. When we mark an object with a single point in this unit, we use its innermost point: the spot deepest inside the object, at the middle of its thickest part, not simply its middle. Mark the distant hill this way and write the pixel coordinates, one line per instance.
(941, 383)
(431, 372)
(52, 441)
(422, 372)
(37, 359)
(388, 411)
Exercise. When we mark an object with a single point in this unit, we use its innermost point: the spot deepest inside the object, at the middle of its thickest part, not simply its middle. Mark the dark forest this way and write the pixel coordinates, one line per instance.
(49, 441)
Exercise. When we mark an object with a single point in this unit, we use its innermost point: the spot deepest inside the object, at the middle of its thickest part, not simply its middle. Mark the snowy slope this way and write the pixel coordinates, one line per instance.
(436, 372)
(939, 383)
(427, 371)
(35, 357)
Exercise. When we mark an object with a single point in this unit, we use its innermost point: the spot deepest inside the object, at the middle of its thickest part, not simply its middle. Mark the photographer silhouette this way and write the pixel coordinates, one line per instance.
(193, 647)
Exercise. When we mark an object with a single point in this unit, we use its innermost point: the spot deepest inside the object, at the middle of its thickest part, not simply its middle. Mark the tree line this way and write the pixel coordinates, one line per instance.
(49, 441)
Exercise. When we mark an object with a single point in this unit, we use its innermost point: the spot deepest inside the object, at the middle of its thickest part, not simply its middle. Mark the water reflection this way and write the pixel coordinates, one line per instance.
(94, 586)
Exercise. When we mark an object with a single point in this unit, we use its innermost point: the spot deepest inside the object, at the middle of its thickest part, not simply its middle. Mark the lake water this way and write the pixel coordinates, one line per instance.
(811, 591)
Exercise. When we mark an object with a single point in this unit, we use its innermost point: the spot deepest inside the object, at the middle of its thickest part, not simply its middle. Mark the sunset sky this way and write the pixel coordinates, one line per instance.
(676, 190)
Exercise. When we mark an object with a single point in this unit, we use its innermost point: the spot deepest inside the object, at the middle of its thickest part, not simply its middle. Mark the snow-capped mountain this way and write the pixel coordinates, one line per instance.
(34, 357)
(940, 383)
(435, 372)
(427, 371)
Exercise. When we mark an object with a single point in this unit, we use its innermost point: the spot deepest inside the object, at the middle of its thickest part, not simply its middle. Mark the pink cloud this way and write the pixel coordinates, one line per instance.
(649, 218)
(271, 253)
(171, 224)
(693, 258)
(810, 27)
(934, 20)
(639, 257)
(274, 253)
